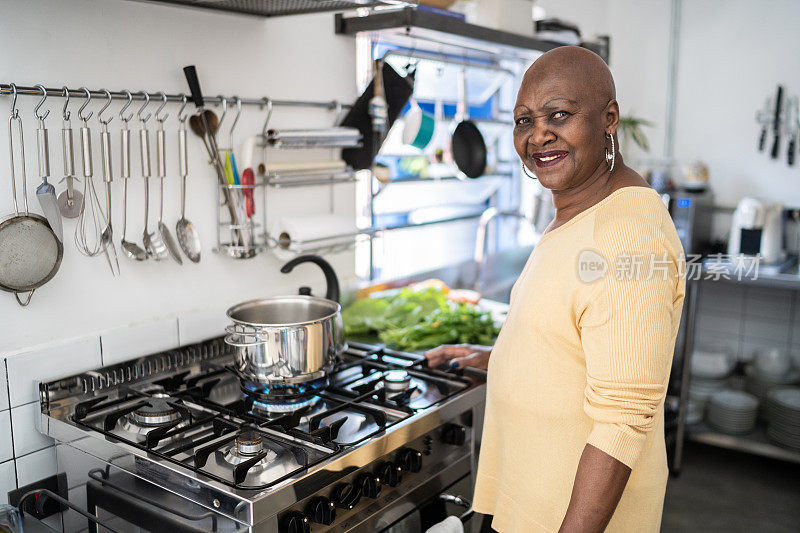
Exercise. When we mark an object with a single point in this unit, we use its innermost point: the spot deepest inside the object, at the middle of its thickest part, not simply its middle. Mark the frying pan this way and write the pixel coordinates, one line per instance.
(468, 146)
(30, 252)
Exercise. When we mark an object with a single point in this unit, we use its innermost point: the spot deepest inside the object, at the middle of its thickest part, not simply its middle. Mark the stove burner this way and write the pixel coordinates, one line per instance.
(156, 413)
(281, 399)
(249, 443)
(396, 381)
(280, 407)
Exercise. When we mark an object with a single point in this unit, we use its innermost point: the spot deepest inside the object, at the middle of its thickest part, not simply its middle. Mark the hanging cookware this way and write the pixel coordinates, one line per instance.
(30, 251)
(397, 90)
(468, 146)
(288, 340)
(419, 127)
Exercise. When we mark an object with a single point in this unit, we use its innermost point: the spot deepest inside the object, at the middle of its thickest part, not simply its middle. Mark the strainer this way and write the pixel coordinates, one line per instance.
(30, 252)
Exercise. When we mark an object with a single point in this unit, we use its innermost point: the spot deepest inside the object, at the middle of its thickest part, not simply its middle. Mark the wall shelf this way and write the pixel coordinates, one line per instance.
(278, 8)
(409, 24)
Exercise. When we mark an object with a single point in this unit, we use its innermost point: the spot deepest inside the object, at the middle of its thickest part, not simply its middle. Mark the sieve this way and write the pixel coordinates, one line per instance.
(30, 252)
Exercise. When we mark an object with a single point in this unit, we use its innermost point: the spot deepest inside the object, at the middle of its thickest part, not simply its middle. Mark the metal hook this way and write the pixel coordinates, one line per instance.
(159, 118)
(268, 103)
(181, 116)
(129, 96)
(88, 99)
(100, 113)
(235, 120)
(14, 110)
(146, 103)
(64, 112)
(224, 102)
(36, 109)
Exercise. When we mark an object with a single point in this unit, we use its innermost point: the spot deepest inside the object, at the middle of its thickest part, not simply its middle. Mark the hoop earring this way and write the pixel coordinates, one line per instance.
(527, 172)
(610, 157)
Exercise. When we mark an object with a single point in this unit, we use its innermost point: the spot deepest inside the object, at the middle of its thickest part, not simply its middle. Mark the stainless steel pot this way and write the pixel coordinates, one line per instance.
(287, 339)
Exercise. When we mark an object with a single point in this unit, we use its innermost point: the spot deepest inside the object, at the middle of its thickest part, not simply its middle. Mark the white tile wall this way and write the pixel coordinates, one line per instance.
(3, 385)
(27, 438)
(35, 466)
(727, 324)
(133, 341)
(722, 298)
(768, 303)
(769, 329)
(6, 446)
(201, 325)
(27, 369)
(8, 480)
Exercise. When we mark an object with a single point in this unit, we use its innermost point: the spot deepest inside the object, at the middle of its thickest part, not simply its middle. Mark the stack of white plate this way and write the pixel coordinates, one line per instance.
(759, 384)
(710, 373)
(732, 411)
(783, 411)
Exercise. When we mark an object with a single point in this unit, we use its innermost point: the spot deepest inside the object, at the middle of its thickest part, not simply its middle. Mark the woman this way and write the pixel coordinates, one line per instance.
(573, 438)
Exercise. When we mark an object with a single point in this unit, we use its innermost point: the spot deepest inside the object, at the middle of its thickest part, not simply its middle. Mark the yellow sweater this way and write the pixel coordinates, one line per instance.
(584, 357)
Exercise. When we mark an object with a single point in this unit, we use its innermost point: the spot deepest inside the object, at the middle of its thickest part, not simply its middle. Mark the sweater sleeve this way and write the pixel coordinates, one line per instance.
(627, 335)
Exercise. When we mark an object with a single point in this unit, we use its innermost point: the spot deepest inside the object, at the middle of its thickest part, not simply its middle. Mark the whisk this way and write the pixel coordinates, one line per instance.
(91, 220)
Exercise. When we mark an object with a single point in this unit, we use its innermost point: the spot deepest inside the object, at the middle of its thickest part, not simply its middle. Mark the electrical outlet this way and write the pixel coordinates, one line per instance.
(56, 484)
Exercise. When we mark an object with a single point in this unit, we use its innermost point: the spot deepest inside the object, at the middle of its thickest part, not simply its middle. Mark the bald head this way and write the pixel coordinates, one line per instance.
(577, 70)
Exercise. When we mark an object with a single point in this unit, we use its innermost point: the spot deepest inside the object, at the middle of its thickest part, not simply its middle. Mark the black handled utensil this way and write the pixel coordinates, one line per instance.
(776, 122)
(213, 152)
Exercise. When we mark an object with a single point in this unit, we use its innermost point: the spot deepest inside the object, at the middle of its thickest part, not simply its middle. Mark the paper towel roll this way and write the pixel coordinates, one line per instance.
(292, 231)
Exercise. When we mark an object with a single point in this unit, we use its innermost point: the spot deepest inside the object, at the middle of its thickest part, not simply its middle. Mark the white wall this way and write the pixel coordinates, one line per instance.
(732, 55)
(122, 44)
(639, 55)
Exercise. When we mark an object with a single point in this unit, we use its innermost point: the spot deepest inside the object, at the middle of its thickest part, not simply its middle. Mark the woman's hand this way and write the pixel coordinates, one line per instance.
(460, 355)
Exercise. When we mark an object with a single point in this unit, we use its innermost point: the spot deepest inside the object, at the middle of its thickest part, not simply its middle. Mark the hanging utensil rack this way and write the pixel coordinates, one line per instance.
(275, 180)
(174, 98)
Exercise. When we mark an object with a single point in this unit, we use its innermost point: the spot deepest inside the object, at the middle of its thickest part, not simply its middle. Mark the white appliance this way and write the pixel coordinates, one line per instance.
(757, 228)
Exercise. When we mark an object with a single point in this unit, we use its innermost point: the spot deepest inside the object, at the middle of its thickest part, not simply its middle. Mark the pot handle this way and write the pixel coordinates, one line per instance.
(332, 292)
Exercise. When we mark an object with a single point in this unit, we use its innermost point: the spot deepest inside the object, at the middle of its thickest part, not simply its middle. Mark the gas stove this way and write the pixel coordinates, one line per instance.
(353, 451)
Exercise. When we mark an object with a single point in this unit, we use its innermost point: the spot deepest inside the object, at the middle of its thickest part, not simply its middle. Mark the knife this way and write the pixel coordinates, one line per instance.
(776, 122)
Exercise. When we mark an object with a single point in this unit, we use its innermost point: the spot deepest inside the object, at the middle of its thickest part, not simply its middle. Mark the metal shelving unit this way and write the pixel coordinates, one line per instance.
(755, 443)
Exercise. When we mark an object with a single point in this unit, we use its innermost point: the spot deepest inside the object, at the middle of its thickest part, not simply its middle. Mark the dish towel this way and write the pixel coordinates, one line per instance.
(451, 524)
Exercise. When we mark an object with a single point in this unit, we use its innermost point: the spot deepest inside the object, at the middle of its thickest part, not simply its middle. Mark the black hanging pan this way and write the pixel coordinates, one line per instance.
(397, 90)
(469, 148)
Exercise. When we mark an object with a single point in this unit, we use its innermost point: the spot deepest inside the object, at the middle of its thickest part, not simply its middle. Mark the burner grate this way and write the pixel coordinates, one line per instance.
(215, 406)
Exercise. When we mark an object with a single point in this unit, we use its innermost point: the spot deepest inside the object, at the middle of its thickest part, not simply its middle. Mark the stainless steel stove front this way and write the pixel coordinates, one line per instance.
(440, 437)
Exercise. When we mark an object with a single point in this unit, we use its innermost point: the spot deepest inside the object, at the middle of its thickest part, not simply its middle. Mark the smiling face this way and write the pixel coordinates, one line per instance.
(565, 109)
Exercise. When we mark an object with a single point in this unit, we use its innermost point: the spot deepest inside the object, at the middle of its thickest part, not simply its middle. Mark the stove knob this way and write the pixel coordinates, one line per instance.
(390, 474)
(370, 485)
(294, 522)
(410, 460)
(346, 496)
(321, 511)
(454, 434)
